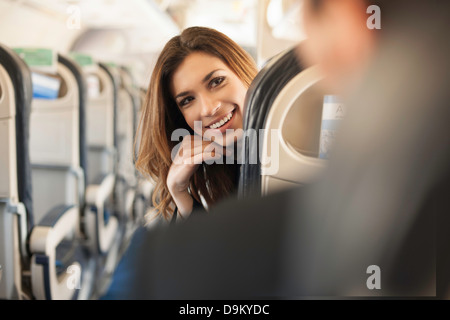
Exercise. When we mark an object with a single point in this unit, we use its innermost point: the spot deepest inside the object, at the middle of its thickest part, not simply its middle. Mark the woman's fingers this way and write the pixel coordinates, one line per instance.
(187, 149)
(203, 157)
(191, 153)
(207, 154)
(194, 150)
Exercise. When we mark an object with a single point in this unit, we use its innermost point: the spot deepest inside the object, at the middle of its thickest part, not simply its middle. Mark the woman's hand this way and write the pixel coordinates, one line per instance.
(192, 152)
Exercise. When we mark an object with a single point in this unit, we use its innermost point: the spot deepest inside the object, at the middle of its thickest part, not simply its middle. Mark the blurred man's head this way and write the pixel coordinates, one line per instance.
(339, 40)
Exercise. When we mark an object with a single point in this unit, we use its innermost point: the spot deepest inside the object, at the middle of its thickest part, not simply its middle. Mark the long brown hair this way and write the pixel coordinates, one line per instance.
(161, 116)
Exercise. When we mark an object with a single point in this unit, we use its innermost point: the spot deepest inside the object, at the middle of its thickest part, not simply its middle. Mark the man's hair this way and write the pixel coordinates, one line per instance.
(383, 4)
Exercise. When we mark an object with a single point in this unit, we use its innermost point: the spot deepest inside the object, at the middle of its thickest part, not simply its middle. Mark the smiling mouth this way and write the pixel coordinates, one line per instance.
(222, 121)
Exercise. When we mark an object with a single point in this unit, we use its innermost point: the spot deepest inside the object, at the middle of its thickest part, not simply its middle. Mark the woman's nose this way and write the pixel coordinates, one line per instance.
(210, 107)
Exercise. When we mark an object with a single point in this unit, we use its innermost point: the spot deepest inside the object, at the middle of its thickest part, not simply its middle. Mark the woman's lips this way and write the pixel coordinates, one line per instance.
(230, 118)
(222, 121)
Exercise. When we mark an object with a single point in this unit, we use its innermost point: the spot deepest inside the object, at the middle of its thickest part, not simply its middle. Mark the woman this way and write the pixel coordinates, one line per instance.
(199, 84)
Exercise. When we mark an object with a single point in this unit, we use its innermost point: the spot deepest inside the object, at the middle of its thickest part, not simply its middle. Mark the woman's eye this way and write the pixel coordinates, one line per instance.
(185, 101)
(216, 81)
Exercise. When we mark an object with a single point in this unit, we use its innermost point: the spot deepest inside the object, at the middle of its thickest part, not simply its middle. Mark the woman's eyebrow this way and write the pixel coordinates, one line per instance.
(205, 79)
(182, 94)
(209, 75)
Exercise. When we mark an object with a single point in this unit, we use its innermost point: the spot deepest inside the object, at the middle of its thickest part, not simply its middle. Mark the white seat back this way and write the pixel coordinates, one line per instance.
(125, 134)
(8, 169)
(15, 199)
(9, 259)
(292, 131)
(100, 117)
(55, 146)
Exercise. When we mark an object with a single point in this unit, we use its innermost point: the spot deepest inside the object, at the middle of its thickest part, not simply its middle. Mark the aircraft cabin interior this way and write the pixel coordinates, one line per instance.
(74, 88)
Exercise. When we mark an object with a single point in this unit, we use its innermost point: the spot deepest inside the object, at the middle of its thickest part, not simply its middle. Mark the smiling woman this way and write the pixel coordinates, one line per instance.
(213, 97)
(201, 77)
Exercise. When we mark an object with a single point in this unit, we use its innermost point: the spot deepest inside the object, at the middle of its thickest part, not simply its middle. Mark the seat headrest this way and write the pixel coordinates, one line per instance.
(261, 94)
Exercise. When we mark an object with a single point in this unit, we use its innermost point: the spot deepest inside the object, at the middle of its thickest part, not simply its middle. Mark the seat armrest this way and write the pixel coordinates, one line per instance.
(96, 194)
(20, 210)
(60, 223)
(100, 233)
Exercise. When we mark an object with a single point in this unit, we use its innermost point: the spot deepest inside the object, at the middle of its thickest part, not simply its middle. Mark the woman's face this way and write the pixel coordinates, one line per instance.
(207, 90)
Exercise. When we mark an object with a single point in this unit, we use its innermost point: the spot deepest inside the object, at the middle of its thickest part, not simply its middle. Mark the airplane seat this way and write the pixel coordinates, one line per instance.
(77, 72)
(282, 123)
(101, 221)
(126, 174)
(57, 157)
(101, 123)
(16, 207)
(83, 255)
(143, 187)
(34, 234)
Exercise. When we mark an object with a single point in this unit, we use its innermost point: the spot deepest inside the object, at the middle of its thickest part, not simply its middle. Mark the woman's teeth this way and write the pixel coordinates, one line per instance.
(220, 123)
